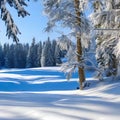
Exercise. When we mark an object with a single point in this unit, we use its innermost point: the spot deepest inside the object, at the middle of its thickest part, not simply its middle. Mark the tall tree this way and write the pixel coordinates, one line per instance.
(9, 59)
(47, 58)
(58, 54)
(79, 44)
(32, 56)
(54, 43)
(107, 22)
(39, 52)
(5, 50)
(1, 56)
(19, 56)
(70, 14)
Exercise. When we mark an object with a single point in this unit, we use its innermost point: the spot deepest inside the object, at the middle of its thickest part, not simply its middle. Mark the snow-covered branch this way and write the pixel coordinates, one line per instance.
(63, 13)
(12, 30)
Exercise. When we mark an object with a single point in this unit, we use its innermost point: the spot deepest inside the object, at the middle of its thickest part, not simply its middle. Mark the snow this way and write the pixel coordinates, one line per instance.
(45, 94)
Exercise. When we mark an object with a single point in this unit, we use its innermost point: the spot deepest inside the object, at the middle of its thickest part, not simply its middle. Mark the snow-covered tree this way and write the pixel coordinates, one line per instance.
(12, 30)
(54, 43)
(58, 54)
(19, 56)
(70, 14)
(1, 56)
(106, 19)
(32, 56)
(5, 50)
(47, 58)
(9, 58)
(64, 43)
(39, 52)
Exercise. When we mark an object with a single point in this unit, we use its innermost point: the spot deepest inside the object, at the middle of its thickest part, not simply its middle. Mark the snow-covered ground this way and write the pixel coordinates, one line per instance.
(45, 94)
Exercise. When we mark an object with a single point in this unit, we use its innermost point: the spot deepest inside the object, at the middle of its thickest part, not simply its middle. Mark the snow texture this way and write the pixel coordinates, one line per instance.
(44, 94)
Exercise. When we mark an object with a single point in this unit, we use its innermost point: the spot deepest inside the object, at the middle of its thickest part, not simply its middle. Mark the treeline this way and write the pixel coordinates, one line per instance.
(40, 54)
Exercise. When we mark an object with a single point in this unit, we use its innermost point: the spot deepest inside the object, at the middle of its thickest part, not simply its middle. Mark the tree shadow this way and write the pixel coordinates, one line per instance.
(73, 107)
(37, 84)
(35, 80)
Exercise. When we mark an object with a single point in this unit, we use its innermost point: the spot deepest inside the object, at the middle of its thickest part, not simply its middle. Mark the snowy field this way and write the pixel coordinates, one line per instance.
(45, 94)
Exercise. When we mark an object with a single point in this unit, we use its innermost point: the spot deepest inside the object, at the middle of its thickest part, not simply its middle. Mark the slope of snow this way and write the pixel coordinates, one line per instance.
(44, 94)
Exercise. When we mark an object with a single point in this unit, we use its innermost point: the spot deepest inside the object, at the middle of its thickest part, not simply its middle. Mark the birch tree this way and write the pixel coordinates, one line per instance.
(70, 14)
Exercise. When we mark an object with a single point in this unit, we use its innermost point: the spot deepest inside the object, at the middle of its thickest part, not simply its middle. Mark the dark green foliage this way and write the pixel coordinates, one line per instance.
(32, 57)
(1, 57)
(47, 58)
(39, 54)
(9, 59)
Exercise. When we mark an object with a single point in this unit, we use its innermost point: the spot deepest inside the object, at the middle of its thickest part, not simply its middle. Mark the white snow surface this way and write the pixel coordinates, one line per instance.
(45, 94)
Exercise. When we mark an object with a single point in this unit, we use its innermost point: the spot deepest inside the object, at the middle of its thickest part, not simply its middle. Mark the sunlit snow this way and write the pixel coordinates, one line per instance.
(45, 94)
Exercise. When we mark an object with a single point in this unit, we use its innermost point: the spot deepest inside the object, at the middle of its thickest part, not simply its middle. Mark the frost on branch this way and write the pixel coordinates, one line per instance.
(106, 20)
(12, 30)
(105, 53)
(62, 13)
(117, 49)
(71, 65)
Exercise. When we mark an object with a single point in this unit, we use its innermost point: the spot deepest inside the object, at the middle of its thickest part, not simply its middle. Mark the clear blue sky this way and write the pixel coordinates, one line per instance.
(30, 26)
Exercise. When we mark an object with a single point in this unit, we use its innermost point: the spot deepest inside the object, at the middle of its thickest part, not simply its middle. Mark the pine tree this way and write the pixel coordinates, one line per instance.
(9, 59)
(19, 56)
(79, 44)
(47, 58)
(32, 56)
(54, 43)
(106, 20)
(1, 56)
(39, 52)
(69, 14)
(58, 54)
(5, 50)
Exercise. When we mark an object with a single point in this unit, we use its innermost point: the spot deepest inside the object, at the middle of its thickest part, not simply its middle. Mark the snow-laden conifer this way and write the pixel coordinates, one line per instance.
(12, 30)
(20, 56)
(1, 56)
(39, 52)
(106, 19)
(32, 56)
(62, 13)
(70, 14)
(47, 58)
(9, 58)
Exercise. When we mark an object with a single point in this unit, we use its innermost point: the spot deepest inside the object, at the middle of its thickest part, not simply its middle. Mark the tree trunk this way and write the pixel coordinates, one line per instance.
(79, 45)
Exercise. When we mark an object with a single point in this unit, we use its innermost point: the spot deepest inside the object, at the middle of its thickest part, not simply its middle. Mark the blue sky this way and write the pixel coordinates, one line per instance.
(30, 26)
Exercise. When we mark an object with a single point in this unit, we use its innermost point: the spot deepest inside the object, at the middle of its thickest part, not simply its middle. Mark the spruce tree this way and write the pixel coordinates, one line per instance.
(58, 54)
(54, 43)
(1, 57)
(9, 58)
(47, 59)
(39, 52)
(106, 22)
(19, 56)
(32, 56)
